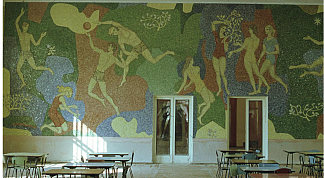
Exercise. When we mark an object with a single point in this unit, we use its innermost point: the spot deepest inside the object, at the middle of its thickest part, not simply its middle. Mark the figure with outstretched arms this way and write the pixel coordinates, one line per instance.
(129, 37)
(106, 59)
(25, 39)
(317, 62)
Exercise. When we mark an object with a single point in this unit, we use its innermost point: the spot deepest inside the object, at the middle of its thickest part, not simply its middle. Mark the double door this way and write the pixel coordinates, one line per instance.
(173, 119)
(248, 124)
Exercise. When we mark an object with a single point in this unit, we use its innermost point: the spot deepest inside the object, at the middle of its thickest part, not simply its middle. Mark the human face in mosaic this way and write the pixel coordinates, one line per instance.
(268, 30)
(68, 94)
(222, 30)
(251, 31)
(25, 27)
(113, 31)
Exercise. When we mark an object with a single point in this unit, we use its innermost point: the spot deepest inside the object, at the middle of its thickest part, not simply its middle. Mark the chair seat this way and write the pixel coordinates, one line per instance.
(223, 168)
(283, 170)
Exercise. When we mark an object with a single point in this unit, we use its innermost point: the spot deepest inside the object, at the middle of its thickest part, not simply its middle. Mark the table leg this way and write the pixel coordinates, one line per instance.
(292, 160)
(124, 171)
(7, 164)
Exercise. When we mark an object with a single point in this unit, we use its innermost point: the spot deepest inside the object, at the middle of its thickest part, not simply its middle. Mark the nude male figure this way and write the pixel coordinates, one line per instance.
(129, 37)
(106, 60)
(25, 38)
(251, 44)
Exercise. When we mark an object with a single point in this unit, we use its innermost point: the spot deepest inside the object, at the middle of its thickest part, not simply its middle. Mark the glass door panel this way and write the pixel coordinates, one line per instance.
(182, 127)
(173, 129)
(255, 125)
(163, 127)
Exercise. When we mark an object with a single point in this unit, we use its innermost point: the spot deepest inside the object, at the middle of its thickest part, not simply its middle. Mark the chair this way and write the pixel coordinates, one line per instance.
(307, 168)
(20, 163)
(268, 165)
(239, 170)
(283, 170)
(250, 156)
(9, 166)
(129, 167)
(220, 167)
(233, 170)
(318, 172)
(39, 165)
(311, 163)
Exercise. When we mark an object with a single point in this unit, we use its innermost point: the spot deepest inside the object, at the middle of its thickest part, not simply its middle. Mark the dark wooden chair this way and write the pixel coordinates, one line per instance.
(283, 170)
(221, 167)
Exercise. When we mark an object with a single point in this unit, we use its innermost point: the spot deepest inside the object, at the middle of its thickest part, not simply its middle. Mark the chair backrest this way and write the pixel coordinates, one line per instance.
(314, 150)
(283, 170)
(19, 161)
(268, 165)
(82, 159)
(250, 156)
(132, 158)
(239, 170)
(217, 159)
(312, 158)
(233, 170)
(301, 159)
(97, 161)
(42, 160)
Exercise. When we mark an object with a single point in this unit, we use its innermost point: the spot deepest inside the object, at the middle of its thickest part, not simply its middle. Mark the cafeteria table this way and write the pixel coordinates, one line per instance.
(90, 165)
(121, 159)
(262, 170)
(250, 161)
(311, 153)
(282, 175)
(291, 152)
(239, 156)
(86, 172)
(104, 154)
(35, 156)
(232, 152)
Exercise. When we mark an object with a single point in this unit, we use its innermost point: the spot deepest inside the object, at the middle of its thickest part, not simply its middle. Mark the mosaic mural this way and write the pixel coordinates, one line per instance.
(70, 67)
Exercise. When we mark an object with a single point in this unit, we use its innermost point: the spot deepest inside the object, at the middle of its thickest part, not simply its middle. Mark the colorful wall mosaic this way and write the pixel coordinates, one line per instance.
(69, 67)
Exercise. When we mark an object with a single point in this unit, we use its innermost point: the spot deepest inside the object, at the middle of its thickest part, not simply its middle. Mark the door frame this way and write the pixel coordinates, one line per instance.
(172, 158)
(264, 100)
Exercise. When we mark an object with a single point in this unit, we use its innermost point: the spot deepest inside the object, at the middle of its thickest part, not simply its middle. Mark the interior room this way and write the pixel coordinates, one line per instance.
(162, 83)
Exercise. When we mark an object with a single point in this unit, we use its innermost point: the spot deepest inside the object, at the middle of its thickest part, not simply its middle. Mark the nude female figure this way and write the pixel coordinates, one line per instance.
(219, 55)
(193, 72)
(250, 45)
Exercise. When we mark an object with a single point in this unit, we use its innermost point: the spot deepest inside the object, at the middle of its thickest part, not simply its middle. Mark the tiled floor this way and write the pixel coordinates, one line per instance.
(167, 170)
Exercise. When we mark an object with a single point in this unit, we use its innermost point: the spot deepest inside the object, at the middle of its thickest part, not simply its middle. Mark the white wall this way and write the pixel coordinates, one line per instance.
(68, 149)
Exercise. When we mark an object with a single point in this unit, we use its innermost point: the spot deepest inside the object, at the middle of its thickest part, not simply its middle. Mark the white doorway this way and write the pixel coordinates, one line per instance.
(173, 129)
(248, 124)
